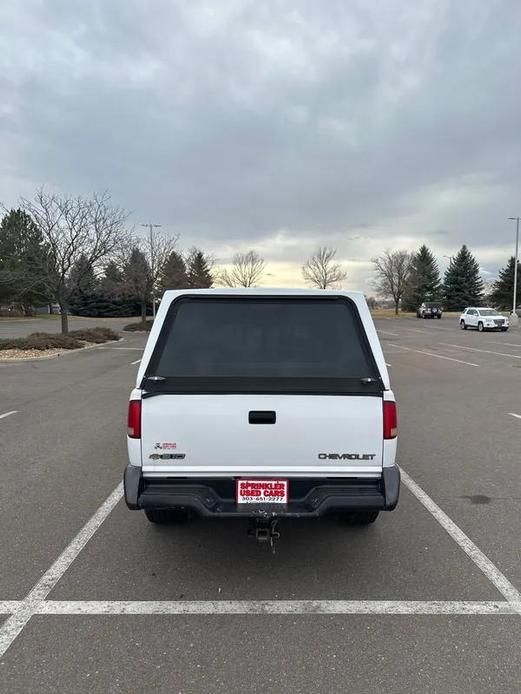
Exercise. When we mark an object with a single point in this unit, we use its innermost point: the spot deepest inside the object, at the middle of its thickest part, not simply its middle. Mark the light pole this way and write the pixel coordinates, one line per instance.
(515, 318)
(151, 228)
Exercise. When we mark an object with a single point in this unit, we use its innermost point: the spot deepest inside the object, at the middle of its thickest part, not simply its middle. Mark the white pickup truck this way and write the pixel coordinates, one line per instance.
(262, 403)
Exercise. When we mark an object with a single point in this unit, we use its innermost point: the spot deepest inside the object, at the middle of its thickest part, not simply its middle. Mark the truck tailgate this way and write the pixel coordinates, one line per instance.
(213, 435)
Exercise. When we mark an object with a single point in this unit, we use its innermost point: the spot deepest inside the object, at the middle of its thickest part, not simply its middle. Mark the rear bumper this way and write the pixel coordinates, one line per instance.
(308, 497)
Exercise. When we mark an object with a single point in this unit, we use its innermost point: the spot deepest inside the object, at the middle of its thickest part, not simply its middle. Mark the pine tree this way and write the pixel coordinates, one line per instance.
(138, 280)
(199, 270)
(173, 273)
(22, 254)
(462, 284)
(424, 280)
(502, 292)
(111, 284)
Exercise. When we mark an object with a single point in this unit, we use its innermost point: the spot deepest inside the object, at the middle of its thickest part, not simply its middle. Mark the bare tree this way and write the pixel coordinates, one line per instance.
(321, 271)
(246, 271)
(157, 248)
(392, 270)
(73, 227)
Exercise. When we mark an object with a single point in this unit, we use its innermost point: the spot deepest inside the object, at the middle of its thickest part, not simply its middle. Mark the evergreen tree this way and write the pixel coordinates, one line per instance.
(111, 284)
(173, 273)
(502, 293)
(462, 284)
(83, 286)
(22, 254)
(137, 280)
(199, 270)
(424, 280)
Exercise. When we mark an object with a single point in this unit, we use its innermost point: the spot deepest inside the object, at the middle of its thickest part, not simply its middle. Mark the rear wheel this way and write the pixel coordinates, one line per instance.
(438, 316)
(462, 325)
(361, 517)
(164, 517)
(480, 327)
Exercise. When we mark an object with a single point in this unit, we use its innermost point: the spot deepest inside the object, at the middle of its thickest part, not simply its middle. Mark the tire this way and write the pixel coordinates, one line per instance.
(481, 327)
(361, 517)
(462, 325)
(503, 330)
(163, 517)
(438, 317)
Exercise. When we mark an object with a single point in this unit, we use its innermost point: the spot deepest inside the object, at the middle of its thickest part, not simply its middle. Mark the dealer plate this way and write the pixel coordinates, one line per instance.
(262, 491)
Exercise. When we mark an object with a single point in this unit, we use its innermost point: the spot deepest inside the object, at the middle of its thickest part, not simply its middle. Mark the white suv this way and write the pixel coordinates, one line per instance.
(483, 319)
(262, 404)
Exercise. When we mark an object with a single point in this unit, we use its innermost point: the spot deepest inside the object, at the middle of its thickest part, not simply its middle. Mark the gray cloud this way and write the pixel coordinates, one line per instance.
(274, 125)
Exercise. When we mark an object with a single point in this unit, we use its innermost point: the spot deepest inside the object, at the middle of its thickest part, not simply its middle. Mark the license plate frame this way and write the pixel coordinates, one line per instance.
(261, 491)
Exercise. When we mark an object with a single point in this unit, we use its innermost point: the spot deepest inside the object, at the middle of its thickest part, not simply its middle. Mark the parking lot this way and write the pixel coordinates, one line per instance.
(94, 598)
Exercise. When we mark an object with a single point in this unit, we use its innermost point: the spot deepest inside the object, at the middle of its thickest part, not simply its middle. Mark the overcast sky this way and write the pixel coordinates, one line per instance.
(272, 124)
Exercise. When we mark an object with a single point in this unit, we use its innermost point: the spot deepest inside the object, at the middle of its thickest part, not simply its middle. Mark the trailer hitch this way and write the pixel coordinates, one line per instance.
(264, 531)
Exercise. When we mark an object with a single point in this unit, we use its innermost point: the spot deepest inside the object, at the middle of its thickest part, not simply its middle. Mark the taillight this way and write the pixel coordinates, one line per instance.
(390, 420)
(134, 419)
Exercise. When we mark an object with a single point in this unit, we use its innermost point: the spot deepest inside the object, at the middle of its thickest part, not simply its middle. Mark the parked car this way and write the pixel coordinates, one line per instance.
(429, 309)
(483, 319)
(262, 404)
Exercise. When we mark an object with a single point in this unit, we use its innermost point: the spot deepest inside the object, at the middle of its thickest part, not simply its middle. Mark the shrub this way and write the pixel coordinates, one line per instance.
(72, 340)
(40, 341)
(146, 326)
(95, 335)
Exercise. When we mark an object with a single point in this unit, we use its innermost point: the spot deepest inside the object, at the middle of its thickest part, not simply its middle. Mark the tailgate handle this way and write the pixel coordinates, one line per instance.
(262, 417)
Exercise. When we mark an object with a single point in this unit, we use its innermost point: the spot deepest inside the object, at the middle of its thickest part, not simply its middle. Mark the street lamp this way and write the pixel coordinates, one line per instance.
(151, 228)
(515, 318)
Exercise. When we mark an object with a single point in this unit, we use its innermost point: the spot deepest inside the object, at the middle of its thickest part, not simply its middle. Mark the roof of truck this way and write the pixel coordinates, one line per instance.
(260, 290)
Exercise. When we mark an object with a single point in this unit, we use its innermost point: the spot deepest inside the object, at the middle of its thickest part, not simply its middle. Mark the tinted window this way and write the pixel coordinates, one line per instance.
(488, 312)
(275, 340)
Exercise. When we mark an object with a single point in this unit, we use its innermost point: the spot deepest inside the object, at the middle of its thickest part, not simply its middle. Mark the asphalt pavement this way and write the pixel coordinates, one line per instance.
(96, 599)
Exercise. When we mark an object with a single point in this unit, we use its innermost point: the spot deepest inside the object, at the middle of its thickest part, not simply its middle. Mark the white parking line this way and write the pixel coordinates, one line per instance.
(8, 414)
(440, 356)
(278, 607)
(431, 354)
(135, 362)
(387, 332)
(485, 351)
(513, 414)
(387, 364)
(33, 601)
(505, 344)
(418, 330)
(209, 607)
(491, 571)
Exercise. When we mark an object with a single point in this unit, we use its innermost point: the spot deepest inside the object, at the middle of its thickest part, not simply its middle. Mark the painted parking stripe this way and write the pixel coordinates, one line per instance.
(8, 414)
(494, 575)
(441, 356)
(513, 414)
(431, 354)
(387, 332)
(506, 344)
(208, 607)
(30, 605)
(135, 362)
(485, 351)
(291, 607)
